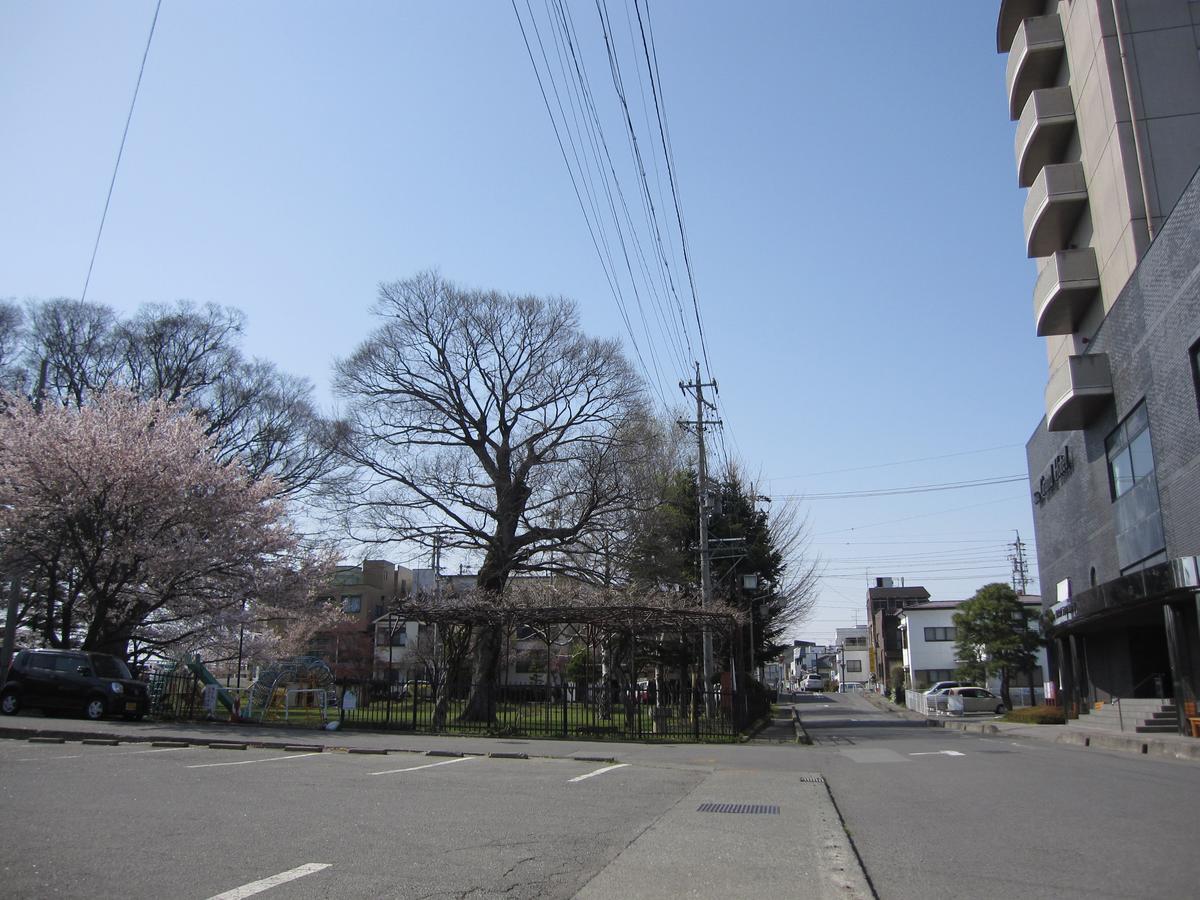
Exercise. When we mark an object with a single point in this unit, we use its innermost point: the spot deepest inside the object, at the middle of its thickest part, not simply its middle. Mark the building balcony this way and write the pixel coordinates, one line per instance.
(1046, 124)
(1012, 14)
(1056, 199)
(1033, 60)
(1079, 389)
(1065, 288)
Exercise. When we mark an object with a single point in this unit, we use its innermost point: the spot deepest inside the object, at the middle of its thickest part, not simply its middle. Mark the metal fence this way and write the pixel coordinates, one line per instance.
(568, 711)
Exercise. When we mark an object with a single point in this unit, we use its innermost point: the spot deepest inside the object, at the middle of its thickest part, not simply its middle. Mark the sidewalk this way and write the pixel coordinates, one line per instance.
(1170, 746)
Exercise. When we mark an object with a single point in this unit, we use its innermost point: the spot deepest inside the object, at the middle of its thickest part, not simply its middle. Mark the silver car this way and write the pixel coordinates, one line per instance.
(976, 699)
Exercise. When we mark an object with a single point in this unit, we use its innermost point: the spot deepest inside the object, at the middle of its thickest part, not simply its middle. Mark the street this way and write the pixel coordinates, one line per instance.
(932, 813)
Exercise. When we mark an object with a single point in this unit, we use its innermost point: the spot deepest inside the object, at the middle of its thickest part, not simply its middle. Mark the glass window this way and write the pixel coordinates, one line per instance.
(109, 666)
(1130, 456)
(854, 665)
(41, 661)
(352, 603)
(939, 634)
(70, 664)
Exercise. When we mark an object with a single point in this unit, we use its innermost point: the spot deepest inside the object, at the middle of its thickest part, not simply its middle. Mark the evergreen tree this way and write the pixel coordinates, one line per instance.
(993, 637)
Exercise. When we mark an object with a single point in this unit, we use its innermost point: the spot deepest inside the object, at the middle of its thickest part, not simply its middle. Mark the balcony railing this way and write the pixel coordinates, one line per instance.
(1033, 59)
(1066, 287)
(1056, 199)
(1046, 124)
(1012, 14)
(1078, 390)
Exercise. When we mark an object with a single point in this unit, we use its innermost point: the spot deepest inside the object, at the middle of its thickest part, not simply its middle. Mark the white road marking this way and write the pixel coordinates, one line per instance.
(265, 884)
(41, 758)
(247, 762)
(939, 753)
(156, 750)
(444, 762)
(597, 772)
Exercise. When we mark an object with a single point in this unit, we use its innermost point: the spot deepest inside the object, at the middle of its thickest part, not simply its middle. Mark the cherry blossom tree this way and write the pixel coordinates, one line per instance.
(136, 529)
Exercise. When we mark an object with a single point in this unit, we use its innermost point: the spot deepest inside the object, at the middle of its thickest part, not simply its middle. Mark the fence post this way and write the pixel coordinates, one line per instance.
(696, 712)
(563, 688)
(415, 691)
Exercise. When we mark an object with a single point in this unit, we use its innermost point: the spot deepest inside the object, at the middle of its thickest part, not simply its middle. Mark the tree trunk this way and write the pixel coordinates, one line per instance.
(485, 665)
(1004, 692)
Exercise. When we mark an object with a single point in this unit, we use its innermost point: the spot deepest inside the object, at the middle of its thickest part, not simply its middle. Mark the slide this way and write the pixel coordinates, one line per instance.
(223, 696)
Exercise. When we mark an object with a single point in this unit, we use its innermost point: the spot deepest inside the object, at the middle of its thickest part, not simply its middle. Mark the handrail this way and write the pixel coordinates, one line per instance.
(1158, 688)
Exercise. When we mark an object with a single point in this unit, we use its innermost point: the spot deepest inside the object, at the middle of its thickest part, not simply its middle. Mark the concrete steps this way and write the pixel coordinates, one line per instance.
(1137, 715)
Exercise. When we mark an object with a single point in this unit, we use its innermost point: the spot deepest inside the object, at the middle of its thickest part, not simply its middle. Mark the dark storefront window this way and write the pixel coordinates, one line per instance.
(1129, 455)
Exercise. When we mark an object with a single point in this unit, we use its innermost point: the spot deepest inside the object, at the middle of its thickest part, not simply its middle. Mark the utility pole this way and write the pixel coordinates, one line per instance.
(1020, 570)
(699, 424)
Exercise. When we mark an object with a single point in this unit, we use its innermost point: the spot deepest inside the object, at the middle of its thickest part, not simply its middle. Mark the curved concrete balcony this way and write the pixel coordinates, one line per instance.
(1056, 199)
(1046, 124)
(1033, 60)
(1079, 389)
(1012, 14)
(1065, 288)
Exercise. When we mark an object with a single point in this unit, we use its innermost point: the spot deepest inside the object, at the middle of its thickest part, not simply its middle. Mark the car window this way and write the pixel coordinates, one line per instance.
(41, 661)
(109, 666)
(69, 663)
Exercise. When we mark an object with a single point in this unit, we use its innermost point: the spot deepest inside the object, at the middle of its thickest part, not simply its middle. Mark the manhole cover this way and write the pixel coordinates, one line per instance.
(754, 809)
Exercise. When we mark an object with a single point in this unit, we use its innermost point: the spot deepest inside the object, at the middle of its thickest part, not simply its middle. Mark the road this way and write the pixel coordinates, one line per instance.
(932, 814)
(941, 814)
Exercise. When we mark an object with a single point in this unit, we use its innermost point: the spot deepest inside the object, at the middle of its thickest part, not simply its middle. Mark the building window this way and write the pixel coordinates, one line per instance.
(1130, 458)
(939, 634)
(351, 603)
(854, 665)
(399, 637)
(1194, 353)
(855, 642)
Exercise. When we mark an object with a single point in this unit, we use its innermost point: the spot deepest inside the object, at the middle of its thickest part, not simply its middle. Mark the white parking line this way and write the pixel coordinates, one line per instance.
(247, 762)
(597, 772)
(156, 750)
(445, 762)
(265, 884)
(42, 758)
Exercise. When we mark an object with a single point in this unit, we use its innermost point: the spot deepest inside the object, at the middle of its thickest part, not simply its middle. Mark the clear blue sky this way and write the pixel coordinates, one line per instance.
(845, 170)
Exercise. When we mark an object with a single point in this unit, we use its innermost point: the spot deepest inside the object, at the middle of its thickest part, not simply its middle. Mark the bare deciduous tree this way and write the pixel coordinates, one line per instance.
(490, 420)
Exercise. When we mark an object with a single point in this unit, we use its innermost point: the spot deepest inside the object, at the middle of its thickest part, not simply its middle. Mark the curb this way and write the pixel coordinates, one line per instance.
(802, 735)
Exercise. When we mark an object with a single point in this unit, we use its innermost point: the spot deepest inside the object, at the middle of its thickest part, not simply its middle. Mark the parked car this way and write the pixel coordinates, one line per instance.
(977, 699)
(91, 684)
(813, 682)
(943, 686)
(847, 686)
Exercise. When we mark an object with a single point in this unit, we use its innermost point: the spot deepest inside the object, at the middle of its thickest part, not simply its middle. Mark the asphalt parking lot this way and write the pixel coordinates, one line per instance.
(192, 821)
(135, 820)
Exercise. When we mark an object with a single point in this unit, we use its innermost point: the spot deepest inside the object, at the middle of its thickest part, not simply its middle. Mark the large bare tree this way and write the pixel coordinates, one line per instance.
(491, 421)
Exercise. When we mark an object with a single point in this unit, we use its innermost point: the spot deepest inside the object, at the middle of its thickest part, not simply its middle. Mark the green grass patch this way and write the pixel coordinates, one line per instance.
(1036, 715)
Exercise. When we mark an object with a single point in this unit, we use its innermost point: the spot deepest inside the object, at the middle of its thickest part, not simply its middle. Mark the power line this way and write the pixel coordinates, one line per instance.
(911, 489)
(900, 462)
(120, 152)
(918, 516)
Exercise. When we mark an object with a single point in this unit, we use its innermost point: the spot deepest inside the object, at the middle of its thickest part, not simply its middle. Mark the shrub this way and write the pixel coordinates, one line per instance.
(1037, 715)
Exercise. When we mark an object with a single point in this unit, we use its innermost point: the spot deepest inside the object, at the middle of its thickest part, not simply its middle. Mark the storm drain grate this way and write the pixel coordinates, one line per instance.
(754, 809)
(812, 779)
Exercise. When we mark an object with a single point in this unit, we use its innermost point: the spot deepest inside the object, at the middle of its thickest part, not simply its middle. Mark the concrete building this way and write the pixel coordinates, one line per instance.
(928, 636)
(853, 654)
(1106, 96)
(884, 603)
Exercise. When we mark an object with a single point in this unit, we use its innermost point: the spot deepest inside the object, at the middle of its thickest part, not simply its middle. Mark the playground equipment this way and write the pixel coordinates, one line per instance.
(224, 697)
(289, 670)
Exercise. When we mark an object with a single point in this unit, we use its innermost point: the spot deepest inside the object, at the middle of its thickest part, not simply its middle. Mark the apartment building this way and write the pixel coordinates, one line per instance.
(1106, 99)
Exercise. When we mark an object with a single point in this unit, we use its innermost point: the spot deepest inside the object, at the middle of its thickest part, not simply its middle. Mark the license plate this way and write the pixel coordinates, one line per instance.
(130, 707)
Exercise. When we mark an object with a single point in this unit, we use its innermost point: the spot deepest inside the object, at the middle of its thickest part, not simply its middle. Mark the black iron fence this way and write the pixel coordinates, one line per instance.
(562, 711)
(673, 714)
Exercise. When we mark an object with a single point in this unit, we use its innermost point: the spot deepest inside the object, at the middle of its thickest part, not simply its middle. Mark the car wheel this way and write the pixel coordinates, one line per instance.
(10, 703)
(1000, 709)
(94, 709)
